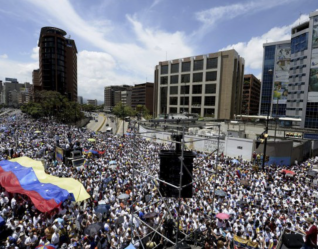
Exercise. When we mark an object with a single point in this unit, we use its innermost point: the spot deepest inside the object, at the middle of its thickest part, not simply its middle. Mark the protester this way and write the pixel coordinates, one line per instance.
(260, 205)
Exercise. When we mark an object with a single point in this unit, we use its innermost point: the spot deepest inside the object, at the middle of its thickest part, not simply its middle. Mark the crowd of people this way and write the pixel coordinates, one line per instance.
(126, 206)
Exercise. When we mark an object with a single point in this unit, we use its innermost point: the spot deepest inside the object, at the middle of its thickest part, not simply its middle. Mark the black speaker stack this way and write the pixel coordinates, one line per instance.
(170, 162)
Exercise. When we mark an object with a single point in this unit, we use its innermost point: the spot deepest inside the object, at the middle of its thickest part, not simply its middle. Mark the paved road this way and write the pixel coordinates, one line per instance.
(93, 125)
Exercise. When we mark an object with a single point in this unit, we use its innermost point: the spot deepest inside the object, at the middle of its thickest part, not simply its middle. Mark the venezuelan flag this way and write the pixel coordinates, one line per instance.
(26, 176)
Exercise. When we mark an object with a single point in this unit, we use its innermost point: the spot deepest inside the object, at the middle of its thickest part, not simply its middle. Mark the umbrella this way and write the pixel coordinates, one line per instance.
(112, 162)
(37, 132)
(130, 247)
(101, 209)
(312, 173)
(288, 172)
(2, 222)
(91, 139)
(123, 197)
(93, 229)
(241, 203)
(222, 216)
(150, 215)
(235, 161)
(220, 193)
(49, 246)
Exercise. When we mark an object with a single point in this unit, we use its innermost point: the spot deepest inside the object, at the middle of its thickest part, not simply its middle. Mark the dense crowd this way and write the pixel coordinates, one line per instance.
(125, 204)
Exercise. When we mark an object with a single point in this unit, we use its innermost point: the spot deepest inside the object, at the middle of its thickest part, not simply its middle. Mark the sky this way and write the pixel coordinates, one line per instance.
(121, 41)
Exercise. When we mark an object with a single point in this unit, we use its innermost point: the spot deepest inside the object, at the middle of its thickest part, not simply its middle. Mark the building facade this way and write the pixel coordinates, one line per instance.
(80, 100)
(275, 78)
(142, 94)
(251, 95)
(125, 97)
(58, 62)
(290, 76)
(207, 85)
(92, 102)
(110, 98)
(15, 93)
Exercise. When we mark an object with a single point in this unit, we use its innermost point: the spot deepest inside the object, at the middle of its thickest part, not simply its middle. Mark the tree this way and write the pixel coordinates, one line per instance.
(122, 111)
(142, 111)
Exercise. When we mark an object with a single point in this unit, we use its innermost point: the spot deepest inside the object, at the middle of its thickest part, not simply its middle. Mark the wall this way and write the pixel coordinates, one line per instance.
(239, 147)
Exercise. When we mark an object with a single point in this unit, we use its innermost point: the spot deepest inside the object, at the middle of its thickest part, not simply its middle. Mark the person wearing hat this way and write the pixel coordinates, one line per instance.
(311, 235)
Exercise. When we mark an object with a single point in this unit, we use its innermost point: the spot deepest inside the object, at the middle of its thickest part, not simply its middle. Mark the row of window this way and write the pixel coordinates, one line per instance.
(208, 112)
(196, 101)
(196, 89)
(186, 66)
(185, 78)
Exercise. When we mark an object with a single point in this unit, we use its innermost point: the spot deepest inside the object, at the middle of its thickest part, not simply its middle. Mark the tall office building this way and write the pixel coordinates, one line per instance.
(251, 94)
(58, 62)
(142, 94)
(208, 85)
(275, 78)
(290, 76)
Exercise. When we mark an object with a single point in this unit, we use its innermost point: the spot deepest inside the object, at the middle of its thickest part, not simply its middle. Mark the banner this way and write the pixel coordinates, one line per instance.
(59, 154)
(240, 243)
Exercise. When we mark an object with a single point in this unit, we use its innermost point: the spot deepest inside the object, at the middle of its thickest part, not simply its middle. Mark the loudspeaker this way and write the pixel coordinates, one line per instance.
(170, 172)
(293, 241)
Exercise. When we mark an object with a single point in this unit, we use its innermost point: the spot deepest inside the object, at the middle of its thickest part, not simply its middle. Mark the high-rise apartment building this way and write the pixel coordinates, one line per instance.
(125, 97)
(92, 102)
(58, 62)
(251, 94)
(290, 76)
(142, 94)
(208, 85)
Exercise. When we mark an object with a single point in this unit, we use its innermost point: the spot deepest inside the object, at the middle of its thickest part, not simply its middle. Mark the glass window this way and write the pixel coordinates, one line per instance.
(211, 76)
(185, 78)
(173, 100)
(198, 65)
(164, 80)
(175, 68)
(196, 110)
(211, 63)
(196, 101)
(210, 88)
(164, 69)
(186, 66)
(174, 79)
(209, 101)
(163, 99)
(173, 110)
(173, 90)
(183, 109)
(209, 112)
(185, 89)
(184, 101)
(197, 77)
(197, 89)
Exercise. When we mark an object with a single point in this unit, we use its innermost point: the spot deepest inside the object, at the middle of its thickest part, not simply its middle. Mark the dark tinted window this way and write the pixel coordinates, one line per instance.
(211, 63)
(185, 78)
(173, 90)
(164, 80)
(164, 69)
(210, 88)
(198, 65)
(185, 89)
(186, 66)
(197, 77)
(175, 68)
(174, 79)
(209, 101)
(197, 89)
(196, 101)
(173, 100)
(211, 76)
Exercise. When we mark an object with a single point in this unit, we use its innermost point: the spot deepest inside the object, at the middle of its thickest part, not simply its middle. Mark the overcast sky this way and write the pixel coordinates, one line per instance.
(121, 41)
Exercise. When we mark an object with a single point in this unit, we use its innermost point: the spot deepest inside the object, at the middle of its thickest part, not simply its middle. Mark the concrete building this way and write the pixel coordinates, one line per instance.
(109, 95)
(57, 62)
(125, 97)
(80, 100)
(14, 93)
(142, 94)
(290, 76)
(92, 102)
(251, 95)
(207, 85)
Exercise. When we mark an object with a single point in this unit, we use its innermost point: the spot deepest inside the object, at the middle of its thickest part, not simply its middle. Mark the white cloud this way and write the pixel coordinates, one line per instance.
(252, 51)
(134, 57)
(4, 56)
(35, 53)
(14, 69)
(211, 17)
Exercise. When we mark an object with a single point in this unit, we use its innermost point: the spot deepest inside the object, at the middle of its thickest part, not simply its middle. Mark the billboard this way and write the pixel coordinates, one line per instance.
(313, 75)
(59, 154)
(12, 80)
(281, 75)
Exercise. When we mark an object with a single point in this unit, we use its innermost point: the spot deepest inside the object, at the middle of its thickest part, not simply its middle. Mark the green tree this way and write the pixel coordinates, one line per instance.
(122, 111)
(142, 111)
